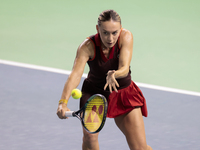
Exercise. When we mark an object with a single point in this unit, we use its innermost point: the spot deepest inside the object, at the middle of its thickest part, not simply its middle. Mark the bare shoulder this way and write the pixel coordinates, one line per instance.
(125, 32)
(86, 48)
(125, 37)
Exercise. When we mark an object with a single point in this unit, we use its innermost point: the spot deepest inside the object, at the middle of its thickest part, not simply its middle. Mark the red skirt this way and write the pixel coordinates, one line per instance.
(126, 100)
(118, 103)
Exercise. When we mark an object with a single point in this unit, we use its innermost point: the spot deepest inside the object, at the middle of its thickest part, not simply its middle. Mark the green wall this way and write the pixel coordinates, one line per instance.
(166, 35)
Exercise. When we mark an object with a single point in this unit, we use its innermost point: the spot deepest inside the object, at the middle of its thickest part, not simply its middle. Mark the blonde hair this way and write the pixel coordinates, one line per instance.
(108, 15)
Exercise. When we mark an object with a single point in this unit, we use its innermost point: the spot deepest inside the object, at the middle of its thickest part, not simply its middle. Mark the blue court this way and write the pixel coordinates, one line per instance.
(28, 120)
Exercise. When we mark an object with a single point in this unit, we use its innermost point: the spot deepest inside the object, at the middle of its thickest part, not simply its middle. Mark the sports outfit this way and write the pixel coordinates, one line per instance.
(128, 97)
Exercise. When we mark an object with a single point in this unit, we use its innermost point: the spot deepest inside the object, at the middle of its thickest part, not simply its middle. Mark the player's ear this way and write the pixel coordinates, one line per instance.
(97, 28)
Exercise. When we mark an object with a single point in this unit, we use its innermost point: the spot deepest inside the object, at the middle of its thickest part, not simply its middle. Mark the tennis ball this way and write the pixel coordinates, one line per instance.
(76, 93)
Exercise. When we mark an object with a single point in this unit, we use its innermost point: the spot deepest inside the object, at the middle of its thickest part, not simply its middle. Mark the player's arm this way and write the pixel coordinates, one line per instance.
(126, 44)
(82, 56)
(84, 52)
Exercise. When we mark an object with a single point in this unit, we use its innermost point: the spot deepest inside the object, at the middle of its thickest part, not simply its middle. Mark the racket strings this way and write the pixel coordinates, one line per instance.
(94, 114)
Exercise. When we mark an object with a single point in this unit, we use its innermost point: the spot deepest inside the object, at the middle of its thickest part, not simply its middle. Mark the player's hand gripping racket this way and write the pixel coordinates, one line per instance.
(93, 114)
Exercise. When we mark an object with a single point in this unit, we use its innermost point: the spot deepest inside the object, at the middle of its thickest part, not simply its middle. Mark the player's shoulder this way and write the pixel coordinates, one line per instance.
(125, 37)
(86, 48)
(87, 44)
(125, 33)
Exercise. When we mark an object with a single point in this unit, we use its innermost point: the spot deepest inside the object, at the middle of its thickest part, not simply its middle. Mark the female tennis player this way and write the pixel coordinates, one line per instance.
(108, 54)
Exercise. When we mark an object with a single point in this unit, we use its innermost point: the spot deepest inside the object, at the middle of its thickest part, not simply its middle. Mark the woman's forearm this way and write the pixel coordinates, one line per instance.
(71, 83)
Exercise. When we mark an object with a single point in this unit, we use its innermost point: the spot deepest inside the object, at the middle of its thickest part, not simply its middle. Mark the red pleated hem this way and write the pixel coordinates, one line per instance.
(125, 101)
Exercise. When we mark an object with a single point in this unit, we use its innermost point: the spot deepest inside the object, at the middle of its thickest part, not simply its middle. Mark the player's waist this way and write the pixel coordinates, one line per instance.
(100, 82)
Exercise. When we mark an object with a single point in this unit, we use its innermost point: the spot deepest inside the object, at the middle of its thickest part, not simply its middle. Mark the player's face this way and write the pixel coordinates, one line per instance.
(109, 32)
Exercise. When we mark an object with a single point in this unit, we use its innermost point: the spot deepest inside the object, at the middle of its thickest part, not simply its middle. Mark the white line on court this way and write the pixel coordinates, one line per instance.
(85, 75)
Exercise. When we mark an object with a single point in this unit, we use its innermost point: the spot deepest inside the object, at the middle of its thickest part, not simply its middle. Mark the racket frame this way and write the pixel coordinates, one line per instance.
(82, 113)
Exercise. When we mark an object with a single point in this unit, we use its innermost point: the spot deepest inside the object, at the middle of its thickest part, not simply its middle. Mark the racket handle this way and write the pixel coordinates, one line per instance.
(69, 113)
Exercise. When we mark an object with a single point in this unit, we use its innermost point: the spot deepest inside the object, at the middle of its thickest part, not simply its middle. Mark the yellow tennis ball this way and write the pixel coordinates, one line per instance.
(76, 93)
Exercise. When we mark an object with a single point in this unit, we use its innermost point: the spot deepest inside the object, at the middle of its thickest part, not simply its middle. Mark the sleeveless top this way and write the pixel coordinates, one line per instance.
(99, 65)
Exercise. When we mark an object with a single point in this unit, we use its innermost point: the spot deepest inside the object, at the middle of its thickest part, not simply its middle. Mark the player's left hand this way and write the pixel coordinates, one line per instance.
(111, 82)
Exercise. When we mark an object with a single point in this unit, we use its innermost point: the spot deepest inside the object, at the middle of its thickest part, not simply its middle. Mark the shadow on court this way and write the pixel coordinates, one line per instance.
(28, 120)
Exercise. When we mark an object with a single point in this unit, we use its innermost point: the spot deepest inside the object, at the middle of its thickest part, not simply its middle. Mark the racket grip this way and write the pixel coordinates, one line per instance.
(69, 113)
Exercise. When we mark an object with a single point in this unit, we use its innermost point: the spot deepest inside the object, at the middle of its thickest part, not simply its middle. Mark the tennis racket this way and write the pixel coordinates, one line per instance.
(93, 114)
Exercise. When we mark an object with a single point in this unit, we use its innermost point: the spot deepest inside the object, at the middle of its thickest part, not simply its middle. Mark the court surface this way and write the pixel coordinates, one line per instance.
(28, 120)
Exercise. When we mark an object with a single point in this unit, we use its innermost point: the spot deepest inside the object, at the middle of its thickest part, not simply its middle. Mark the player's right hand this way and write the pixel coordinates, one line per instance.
(62, 108)
(111, 82)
